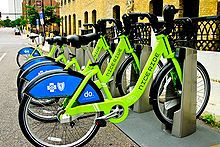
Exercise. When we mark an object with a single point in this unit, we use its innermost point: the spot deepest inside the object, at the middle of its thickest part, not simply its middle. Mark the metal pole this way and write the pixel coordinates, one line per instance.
(44, 31)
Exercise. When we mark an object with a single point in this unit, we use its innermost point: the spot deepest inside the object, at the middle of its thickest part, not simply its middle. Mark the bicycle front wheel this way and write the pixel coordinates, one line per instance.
(128, 74)
(46, 133)
(166, 93)
(104, 61)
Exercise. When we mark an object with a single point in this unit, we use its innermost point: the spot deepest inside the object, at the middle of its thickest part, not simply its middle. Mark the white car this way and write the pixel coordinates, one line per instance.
(17, 31)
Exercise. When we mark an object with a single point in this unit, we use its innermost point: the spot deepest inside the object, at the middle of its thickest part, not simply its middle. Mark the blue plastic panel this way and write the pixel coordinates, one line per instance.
(39, 70)
(32, 62)
(62, 85)
(88, 95)
(29, 50)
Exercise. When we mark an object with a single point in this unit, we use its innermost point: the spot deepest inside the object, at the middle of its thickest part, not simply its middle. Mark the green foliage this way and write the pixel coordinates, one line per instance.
(49, 12)
(19, 22)
(209, 119)
(50, 15)
(218, 124)
(32, 15)
(7, 23)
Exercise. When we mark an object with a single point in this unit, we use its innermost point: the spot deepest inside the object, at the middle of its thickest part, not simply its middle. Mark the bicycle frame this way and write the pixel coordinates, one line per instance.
(162, 48)
(101, 44)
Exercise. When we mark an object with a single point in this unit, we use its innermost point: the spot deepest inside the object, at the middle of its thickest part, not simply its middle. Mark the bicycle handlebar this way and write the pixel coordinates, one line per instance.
(168, 12)
(102, 24)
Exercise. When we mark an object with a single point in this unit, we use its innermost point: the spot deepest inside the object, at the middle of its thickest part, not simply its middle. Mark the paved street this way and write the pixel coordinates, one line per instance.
(10, 134)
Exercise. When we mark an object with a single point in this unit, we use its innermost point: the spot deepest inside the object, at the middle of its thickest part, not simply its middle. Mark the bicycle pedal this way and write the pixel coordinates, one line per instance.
(100, 122)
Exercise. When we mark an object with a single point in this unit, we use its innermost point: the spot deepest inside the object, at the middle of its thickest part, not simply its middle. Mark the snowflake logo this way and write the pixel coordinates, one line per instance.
(51, 87)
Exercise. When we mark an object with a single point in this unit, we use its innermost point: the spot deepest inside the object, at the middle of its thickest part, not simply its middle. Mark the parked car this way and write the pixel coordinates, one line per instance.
(17, 31)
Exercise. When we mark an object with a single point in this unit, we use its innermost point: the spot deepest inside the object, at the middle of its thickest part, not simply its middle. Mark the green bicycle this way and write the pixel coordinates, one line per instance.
(87, 104)
(27, 53)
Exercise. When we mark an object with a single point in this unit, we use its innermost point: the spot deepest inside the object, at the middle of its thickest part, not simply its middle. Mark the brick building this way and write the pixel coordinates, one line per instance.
(77, 12)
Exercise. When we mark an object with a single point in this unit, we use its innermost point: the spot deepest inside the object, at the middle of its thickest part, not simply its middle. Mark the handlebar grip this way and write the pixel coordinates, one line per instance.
(169, 12)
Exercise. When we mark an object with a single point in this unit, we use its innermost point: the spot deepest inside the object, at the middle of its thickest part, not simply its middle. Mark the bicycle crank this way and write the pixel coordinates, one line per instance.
(117, 114)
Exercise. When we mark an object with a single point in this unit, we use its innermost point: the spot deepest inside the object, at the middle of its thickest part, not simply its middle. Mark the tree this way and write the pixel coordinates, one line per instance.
(50, 15)
(7, 22)
(49, 12)
(32, 15)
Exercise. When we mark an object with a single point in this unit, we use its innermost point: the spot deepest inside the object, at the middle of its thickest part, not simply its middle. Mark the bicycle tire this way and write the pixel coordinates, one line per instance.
(46, 131)
(19, 56)
(103, 61)
(123, 88)
(159, 103)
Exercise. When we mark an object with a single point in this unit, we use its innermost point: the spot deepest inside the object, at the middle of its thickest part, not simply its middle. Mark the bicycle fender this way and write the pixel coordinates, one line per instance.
(40, 68)
(35, 60)
(56, 84)
(29, 50)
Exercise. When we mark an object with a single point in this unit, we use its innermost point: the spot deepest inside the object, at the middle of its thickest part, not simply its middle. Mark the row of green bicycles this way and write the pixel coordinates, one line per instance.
(63, 104)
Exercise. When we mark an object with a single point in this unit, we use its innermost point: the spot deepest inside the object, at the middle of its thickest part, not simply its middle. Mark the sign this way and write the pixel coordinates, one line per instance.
(41, 17)
(37, 24)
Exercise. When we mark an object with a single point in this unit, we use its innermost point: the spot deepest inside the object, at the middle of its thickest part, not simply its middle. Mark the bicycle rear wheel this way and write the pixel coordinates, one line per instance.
(166, 94)
(52, 133)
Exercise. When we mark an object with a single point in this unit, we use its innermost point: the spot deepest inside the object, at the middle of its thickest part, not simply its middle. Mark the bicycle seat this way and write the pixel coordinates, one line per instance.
(33, 36)
(50, 40)
(60, 40)
(78, 40)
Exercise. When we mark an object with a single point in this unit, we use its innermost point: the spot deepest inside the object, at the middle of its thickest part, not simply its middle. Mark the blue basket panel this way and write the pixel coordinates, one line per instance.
(32, 62)
(88, 95)
(55, 86)
(29, 50)
(39, 70)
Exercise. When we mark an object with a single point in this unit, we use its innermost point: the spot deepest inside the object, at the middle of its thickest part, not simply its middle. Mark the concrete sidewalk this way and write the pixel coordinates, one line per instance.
(145, 130)
(213, 106)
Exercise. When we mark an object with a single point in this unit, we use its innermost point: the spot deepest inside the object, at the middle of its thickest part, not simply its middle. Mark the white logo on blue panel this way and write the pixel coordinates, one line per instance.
(40, 72)
(88, 94)
(51, 87)
(26, 51)
(61, 86)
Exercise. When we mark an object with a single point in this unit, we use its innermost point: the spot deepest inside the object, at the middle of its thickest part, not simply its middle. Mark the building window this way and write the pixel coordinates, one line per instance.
(69, 24)
(69, 1)
(79, 23)
(65, 32)
(156, 7)
(86, 19)
(94, 16)
(64, 2)
(61, 3)
(62, 25)
(74, 23)
(116, 12)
